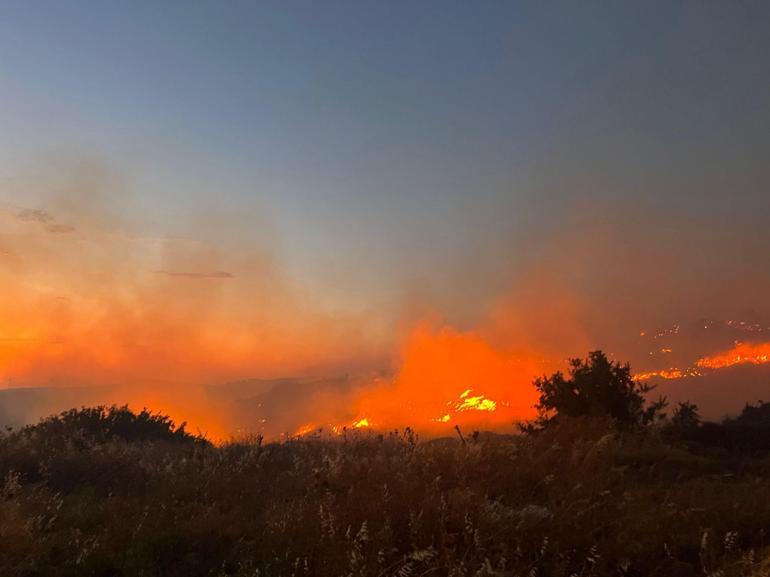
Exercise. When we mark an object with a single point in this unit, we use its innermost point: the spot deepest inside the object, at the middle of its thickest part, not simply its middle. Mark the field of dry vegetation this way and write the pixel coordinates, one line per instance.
(105, 492)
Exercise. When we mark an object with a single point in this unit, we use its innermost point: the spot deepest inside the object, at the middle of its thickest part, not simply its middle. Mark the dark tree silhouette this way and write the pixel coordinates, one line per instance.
(685, 417)
(753, 415)
(596, 387)
(744, 436)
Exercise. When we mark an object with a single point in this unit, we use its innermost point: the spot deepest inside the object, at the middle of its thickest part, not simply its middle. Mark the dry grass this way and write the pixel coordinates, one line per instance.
(576, 500)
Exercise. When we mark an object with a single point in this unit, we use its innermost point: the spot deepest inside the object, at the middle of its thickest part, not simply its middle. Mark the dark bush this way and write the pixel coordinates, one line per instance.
(744, 436)
(596, 387)
(102, 424)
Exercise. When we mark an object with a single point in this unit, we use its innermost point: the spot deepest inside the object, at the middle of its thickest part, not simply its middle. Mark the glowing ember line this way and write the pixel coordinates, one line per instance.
(742, 353)
(672, 373)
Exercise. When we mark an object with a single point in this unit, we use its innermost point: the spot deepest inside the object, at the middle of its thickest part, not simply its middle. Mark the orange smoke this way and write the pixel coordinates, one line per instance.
(741, 353)
(156, 318)
(448, 377)
(148, 320)
(85, 302)
(202, 415)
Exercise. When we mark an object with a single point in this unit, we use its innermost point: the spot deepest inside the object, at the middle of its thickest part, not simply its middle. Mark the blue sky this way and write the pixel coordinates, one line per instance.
(398, 144)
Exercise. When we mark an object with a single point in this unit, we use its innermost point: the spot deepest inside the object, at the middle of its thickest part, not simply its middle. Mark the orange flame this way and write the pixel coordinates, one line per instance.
(668, 374)
(305, 430)
(741, 353)
(432, 385)
(475, 403)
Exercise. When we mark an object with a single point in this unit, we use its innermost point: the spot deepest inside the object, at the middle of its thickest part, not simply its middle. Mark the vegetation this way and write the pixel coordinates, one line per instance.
(102, 424)
(104, 492)
(596, 387)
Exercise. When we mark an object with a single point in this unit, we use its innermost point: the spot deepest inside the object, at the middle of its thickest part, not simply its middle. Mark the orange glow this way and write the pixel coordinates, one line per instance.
(447, 375)
(474, 403)
(305, 429)
(152, 319)
(338, 429)
(200, 414)
(444, 376)
(741, 353)
(673, 373)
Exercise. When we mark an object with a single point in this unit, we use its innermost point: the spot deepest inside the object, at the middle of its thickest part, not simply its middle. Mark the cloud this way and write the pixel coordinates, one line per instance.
(34, 215)
(60, 228)
(217, 274)
(44, 218)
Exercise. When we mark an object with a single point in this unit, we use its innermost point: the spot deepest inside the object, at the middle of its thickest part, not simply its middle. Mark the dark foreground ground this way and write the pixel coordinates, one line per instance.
(579, 499)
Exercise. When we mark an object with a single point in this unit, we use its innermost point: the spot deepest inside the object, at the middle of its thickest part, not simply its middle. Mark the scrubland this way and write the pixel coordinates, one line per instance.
(105, 492)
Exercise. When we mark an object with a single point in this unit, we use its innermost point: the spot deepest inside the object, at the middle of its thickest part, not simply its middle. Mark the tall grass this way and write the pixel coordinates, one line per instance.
(577, 499)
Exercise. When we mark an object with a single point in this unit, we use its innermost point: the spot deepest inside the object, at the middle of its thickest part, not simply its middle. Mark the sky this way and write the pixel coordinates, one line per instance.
(356, 167)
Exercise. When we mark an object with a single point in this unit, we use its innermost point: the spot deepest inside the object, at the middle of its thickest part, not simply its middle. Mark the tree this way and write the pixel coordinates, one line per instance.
(685, 417)
(753, 415)
(596, 387)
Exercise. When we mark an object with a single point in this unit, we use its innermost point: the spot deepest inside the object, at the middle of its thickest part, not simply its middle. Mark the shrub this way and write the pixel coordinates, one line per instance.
(596, 387)
(102, 424)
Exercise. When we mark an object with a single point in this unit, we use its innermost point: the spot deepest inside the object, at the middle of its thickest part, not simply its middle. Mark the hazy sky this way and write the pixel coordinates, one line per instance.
(397, 151)
(432, 198)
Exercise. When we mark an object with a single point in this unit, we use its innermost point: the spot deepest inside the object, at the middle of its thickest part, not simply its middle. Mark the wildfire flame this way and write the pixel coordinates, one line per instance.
(335, 429)
(430, 392)
(668, 374)
(475, 403)
(741, 353)
(431, 387)
(305, 429)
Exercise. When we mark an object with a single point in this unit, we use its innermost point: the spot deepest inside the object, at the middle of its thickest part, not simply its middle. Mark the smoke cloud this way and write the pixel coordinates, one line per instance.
(95, 298)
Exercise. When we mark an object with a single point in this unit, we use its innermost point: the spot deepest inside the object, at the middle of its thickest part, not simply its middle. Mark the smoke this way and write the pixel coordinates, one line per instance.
(97, 295)
(152, 318)
(614, 276)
